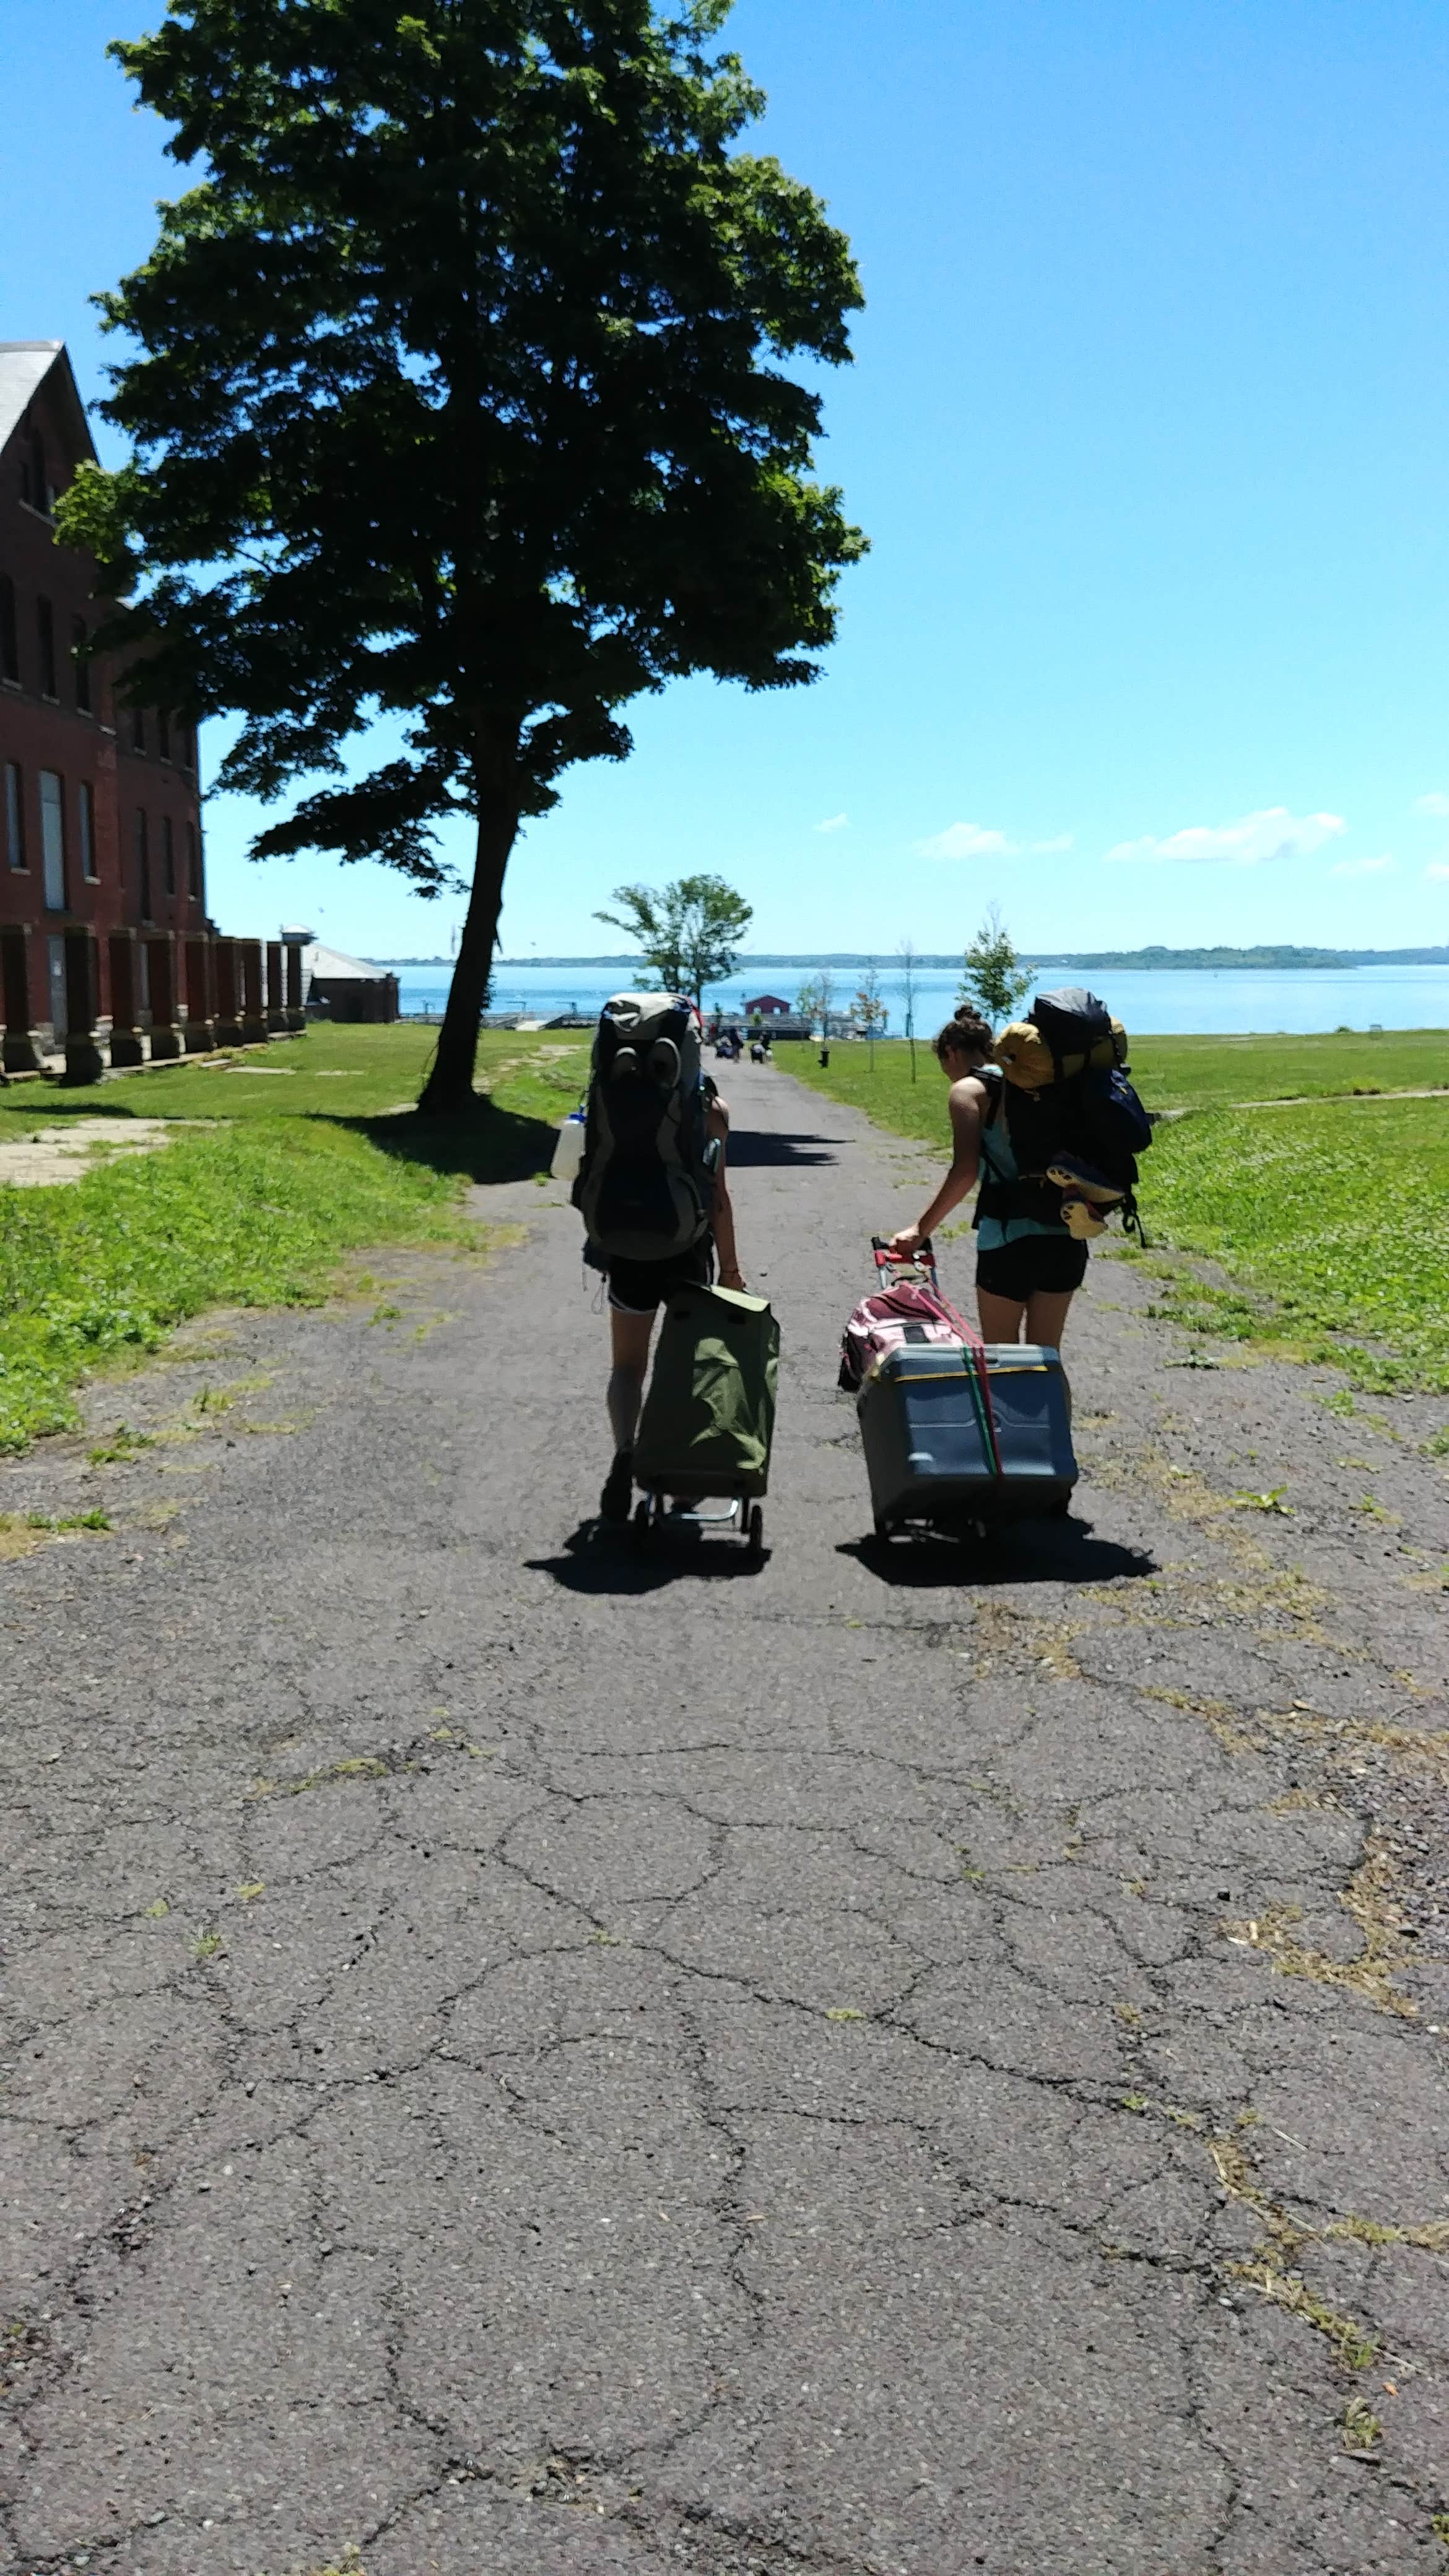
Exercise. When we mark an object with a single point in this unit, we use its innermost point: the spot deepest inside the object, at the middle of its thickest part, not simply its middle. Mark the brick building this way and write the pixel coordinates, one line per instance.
(103, 925)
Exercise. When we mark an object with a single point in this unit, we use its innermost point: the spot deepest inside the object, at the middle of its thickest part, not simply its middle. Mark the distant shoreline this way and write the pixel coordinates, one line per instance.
(1233, 961)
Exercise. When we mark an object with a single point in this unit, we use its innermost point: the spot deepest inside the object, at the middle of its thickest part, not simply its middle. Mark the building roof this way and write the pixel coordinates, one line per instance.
(334, 967)
(767, 1002)
(24, 366)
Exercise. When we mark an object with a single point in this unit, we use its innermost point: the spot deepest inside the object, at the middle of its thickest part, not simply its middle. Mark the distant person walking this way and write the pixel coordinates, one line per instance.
(1028, 1265)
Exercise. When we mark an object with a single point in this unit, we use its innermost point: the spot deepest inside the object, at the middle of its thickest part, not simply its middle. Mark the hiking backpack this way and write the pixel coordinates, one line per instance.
(1066, 1091)
(645, 1182)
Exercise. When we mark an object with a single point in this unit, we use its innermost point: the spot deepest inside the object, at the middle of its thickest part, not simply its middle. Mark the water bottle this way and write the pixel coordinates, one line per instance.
(568, 1153)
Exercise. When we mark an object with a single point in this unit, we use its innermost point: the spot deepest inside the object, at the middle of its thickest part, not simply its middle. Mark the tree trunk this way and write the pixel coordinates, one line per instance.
(448, 1092)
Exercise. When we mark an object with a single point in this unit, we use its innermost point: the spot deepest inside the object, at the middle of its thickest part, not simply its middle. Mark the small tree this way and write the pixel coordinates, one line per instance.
(689, 932)
(457, 399)
(994, 981)
(870, 1009)
(907, 955)
(816, 999)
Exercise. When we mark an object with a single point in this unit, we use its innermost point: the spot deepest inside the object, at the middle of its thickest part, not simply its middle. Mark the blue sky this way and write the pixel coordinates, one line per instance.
(1148, 425)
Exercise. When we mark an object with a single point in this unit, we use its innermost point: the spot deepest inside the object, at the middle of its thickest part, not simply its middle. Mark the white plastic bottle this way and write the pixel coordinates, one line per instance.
(568, 1153)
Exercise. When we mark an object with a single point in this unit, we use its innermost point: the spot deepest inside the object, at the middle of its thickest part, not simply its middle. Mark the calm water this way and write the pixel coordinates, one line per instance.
(1164, 1003)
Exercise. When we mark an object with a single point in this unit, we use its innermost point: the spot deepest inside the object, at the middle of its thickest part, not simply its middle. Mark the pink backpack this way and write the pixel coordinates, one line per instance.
(893, 1317)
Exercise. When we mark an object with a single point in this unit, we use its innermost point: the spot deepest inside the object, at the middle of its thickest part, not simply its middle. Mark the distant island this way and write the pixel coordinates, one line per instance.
(1098, 961)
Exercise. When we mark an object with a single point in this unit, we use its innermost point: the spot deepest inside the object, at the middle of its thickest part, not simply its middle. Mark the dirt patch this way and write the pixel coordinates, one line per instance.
(54, 1155)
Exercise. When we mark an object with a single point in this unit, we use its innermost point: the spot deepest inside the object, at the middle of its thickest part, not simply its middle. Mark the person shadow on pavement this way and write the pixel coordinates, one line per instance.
(598, 1558)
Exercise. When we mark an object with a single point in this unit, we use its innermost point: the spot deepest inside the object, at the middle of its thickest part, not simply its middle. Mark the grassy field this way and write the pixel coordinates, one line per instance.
(1170, 1073)
(313, 1154)
(331, 1073)
(1332, 1219)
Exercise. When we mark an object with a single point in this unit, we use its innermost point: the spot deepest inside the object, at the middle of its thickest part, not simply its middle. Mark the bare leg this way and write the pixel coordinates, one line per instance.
(629, 1337)
(1046, 1317)
(1001, 1317)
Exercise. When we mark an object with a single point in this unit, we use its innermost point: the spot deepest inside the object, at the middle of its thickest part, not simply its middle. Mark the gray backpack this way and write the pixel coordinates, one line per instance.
(645, 1182)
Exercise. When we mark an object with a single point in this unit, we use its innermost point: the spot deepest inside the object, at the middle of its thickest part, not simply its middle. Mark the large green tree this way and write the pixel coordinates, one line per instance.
(458, 400)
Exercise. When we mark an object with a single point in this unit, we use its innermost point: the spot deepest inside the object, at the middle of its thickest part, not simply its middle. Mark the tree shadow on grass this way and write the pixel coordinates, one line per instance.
(1026, 1551)
(488, 1145)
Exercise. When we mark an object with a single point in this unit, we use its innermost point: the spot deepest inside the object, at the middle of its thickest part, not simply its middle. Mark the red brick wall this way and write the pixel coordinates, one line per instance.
(39, 733)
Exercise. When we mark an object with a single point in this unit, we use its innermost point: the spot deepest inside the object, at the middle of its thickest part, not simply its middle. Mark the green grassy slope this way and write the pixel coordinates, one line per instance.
(1333, 1217)
(313, 1153)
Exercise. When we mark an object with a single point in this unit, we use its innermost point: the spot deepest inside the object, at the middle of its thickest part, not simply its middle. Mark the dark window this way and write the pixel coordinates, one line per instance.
(138, 728)
(186, 737)
(168, 854)
(14, 814)
(45, 629)
(86, 829)
(143, 865)
(34, 481)
(163, 733)
(9, 638)
(193, 862)
(82, 665)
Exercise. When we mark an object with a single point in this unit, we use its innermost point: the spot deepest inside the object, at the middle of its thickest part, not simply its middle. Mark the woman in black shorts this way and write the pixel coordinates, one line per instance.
(1027, 1266)
(637, 1289)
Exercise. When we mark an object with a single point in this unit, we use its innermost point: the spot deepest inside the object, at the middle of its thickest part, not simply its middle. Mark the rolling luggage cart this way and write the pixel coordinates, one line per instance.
(961, 1440)
(705, 1432)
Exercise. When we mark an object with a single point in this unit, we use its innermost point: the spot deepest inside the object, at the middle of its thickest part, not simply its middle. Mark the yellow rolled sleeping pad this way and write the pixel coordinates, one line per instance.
(1026, 1059)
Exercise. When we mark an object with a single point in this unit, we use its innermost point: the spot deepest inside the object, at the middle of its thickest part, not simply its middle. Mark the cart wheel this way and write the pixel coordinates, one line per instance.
(641, 1524)
(882, 1528)
(755, 1533)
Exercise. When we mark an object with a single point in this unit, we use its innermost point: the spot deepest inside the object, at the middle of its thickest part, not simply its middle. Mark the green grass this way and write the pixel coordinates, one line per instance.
(332, 1073)
(1332, 1219)
(1338, 1214)
(255, 1210)
(1170, 1073)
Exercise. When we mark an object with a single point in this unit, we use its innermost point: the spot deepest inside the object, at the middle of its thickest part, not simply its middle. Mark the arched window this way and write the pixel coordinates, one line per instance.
(193, 862)
(82, 664)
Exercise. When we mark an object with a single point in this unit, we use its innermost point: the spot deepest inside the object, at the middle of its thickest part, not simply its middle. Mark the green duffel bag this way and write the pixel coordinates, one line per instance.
(710, 1412)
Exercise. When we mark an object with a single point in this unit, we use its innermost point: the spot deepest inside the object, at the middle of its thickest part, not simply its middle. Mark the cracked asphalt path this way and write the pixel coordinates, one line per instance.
(537, 2064)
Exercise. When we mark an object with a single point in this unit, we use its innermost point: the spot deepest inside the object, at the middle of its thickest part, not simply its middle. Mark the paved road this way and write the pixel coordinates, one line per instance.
(538, 2065)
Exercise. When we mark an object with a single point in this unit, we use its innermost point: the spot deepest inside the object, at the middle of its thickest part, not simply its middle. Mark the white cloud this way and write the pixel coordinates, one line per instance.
(1437, 803)
(1384, 867)
(1437, 871)
(966, 841)
(1273, 833)
(835, 823)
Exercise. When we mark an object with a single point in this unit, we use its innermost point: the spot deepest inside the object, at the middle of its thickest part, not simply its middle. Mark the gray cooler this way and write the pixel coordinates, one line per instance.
(927, 1445)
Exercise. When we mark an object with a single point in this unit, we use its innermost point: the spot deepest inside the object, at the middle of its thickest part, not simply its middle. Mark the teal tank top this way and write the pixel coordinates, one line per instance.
(998, 1163)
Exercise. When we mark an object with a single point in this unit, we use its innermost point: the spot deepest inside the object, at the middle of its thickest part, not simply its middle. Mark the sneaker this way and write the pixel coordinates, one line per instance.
(1084, 1180)
(618, 1495)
